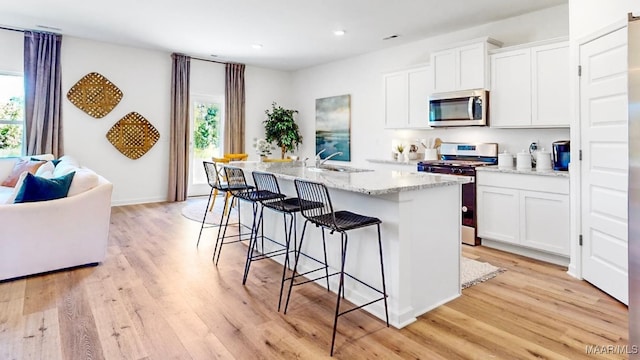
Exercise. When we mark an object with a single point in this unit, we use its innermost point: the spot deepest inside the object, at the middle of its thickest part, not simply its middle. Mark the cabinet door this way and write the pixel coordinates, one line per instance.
(471, 67)
(395, 100)
(444, 70)
(498, 214)
(510, 97)
(550, 84)
(544, 220)
(420, 84)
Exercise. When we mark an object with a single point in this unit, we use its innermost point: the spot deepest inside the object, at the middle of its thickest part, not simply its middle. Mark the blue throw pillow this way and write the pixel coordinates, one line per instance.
(54, 161)
(36, 188)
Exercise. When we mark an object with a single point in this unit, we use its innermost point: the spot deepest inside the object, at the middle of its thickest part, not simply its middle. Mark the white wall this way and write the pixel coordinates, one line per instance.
(361, 77)
(263, 87)
(588, 16)
(144, 77)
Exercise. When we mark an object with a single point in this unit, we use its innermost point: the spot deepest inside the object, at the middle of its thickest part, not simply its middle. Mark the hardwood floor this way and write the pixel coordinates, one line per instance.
(157, 296)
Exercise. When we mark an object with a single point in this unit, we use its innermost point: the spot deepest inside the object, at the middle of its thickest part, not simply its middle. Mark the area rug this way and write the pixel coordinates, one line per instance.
(474, 272)
(195, 209)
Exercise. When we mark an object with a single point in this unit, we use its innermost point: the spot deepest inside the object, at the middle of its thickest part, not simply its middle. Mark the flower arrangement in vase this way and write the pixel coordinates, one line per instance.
(263, 147)
(400, 149)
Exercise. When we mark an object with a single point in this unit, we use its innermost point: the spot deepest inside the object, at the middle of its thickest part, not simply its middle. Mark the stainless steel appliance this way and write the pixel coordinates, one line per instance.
(462, 159)
(561, 155)
(633, 43)
(459, 108)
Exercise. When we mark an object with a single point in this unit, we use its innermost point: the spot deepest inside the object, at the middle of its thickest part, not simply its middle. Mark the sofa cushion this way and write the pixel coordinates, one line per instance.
(46, 170)
(16, 189)
(83, 180)
(21, 166)
(36, 188)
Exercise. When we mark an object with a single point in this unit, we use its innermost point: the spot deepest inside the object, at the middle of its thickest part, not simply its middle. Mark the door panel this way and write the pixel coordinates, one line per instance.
(603, 132)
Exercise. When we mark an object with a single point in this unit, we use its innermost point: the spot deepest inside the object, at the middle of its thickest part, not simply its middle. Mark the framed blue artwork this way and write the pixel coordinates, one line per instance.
(333, 127)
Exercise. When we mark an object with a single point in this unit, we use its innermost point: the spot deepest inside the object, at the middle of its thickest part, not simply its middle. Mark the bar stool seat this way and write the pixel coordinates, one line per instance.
(334, 221)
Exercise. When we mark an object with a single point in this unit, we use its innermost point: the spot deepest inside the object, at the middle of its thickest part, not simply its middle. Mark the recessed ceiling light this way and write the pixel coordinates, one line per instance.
(257, 46)
(339, 32)
(391, 37)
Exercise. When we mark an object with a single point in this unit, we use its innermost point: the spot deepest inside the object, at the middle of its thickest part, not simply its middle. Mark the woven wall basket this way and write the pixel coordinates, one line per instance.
(133, 135)
(95, 95)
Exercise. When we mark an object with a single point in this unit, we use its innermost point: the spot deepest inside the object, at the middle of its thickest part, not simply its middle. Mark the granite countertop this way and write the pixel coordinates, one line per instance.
(513, 170)
(367, 182)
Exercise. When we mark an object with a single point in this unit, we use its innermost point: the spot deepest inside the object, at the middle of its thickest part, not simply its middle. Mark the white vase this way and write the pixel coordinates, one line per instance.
(400, 157)
(406, 157)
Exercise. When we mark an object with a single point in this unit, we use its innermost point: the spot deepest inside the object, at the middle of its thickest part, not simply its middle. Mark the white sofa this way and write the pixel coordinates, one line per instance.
(37, 237)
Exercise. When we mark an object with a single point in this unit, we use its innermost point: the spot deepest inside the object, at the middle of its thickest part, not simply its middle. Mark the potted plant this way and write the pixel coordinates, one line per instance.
(281, 128)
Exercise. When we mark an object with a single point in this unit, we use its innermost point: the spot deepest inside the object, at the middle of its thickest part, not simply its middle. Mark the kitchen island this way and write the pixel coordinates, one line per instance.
(420, 215)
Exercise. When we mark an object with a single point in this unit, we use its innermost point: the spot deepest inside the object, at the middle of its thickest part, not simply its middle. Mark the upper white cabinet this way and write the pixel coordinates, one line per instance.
(406, 98)
(530, 86)
(463, 67)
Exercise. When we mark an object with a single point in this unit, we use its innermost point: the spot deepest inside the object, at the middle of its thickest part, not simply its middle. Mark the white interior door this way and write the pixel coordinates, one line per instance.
(604, 168)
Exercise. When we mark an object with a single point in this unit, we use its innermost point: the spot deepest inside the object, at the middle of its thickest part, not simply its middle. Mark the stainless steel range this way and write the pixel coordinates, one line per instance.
(462, 159)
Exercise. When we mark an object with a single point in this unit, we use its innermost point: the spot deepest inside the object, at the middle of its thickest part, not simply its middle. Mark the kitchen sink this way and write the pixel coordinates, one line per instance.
(331, 168)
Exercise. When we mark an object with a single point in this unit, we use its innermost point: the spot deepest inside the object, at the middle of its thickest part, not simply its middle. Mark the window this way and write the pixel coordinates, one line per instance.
(206, 138)
(11, 115)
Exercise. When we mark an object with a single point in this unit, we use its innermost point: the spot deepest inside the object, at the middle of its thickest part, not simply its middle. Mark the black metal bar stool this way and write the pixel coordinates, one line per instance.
(217, 184)
(237, 185)
(334, 221)
(288, 207)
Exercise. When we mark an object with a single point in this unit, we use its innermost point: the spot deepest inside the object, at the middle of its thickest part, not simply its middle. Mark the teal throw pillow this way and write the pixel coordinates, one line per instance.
(36, 188)
(54, 161)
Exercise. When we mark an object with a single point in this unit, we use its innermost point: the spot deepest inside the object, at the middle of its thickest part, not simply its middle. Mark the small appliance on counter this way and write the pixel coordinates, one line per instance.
(561, 155)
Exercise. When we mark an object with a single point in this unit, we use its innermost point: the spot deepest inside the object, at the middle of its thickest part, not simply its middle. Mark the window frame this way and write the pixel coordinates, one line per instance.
(17, 122)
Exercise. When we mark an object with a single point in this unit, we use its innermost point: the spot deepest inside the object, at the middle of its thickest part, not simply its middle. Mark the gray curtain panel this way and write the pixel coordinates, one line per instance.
(234, 109)
(179, 137)
(43, 88)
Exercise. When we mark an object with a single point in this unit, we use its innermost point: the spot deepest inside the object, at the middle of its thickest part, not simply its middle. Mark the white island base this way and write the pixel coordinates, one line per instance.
(421, 248)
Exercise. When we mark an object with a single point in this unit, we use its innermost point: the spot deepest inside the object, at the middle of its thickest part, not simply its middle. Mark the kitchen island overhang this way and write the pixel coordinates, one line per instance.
(420, 215)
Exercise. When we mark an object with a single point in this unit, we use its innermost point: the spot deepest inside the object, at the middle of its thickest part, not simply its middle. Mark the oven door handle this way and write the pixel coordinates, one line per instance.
(470, 107)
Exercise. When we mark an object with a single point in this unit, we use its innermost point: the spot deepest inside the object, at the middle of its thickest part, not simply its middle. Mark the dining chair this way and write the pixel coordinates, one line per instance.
(219, 162)
(236, 156)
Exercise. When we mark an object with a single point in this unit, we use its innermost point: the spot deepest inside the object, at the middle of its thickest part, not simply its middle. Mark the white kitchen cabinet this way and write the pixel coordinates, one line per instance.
(530, 86)
(407, 98)
(498, 212)
(529, 211)
(462, 67)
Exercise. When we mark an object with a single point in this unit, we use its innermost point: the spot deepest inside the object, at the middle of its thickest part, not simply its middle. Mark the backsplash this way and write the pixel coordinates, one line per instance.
(511, 140)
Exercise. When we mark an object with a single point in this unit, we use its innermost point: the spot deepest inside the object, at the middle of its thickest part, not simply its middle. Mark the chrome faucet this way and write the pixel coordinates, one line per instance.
(317, 158)
(337, 153)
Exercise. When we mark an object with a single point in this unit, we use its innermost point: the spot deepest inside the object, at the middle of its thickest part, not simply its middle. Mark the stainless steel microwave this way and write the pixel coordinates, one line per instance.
(459, 108)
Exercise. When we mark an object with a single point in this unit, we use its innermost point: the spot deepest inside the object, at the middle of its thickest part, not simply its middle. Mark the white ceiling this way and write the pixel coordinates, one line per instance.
(295, 34)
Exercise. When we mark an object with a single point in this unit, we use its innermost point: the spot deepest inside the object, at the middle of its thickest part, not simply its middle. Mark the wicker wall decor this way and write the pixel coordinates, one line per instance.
(95, 95)
(133, 135)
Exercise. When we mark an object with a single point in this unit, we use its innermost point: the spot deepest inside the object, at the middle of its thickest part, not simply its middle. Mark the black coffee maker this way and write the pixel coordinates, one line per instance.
(561, 155)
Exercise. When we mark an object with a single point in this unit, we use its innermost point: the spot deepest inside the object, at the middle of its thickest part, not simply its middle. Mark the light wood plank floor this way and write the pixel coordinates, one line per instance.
(157, 296)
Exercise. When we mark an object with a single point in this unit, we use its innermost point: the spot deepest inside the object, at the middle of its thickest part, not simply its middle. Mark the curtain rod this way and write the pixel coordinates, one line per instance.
(213, 61)
(11, 29)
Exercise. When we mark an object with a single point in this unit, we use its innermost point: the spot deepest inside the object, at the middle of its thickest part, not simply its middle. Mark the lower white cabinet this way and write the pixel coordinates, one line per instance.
(530, 211)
